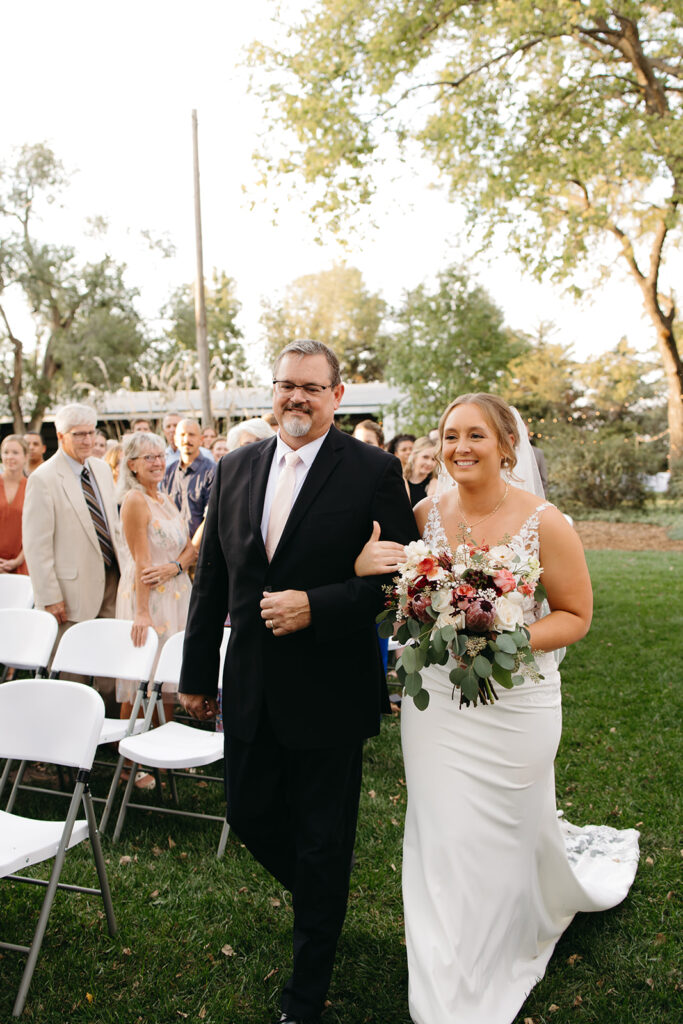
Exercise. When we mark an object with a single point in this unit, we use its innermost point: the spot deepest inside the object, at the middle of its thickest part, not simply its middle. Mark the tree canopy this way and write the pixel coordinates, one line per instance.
(336, 307)
(559, 120)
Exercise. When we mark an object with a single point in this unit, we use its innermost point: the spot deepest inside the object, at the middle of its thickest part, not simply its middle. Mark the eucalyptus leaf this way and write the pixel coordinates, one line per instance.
(482, 666)
(469, 684)
(506, 643)
(386, 629)
(400, 672)
(412, 683)
(402, 634)
(502, 676)
(384, 615)
(414, 628)
(409, 659)
(517, 680)
(421, 700)
(505, 660)
(456, 675)
(447, 633)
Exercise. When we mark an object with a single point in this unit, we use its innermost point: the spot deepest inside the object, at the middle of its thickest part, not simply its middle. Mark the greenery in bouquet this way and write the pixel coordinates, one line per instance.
(465, 606)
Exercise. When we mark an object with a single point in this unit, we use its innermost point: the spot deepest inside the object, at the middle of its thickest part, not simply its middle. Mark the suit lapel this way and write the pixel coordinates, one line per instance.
(324, 463)
(74, 494)
(258, 481)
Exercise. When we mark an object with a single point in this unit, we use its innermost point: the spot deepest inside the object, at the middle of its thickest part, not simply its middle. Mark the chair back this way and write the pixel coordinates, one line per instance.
(103, 647)
(171, 659)
(51, 720)
(27, 637)
(15, 591)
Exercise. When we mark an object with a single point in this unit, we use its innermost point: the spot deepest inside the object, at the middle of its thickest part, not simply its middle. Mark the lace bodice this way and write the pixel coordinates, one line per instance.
(525, 542)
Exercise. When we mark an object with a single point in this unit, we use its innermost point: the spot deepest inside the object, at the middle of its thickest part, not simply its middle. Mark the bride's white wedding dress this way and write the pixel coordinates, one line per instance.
(491, 876)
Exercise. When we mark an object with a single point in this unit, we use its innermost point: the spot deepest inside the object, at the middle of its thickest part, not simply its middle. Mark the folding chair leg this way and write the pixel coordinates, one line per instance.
(222, 842)
(15, 788)
(5, 776)
(173, 787)
(127, 793)
(111, 796)
(47, 902)
(99, 861)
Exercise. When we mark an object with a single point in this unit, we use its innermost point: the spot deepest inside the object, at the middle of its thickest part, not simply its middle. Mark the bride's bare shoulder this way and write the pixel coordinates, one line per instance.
(421, 512)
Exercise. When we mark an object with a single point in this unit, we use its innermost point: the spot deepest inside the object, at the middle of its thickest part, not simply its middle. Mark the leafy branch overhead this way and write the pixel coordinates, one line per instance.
(556, 119)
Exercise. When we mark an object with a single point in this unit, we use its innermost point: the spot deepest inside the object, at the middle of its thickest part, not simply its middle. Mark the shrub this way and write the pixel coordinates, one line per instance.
(596, 469)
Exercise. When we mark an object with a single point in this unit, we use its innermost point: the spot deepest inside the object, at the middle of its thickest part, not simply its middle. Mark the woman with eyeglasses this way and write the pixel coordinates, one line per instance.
(154, 590)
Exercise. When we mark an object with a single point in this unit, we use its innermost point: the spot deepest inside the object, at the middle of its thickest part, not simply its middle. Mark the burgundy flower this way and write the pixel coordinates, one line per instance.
(480, 616)
(419, 606)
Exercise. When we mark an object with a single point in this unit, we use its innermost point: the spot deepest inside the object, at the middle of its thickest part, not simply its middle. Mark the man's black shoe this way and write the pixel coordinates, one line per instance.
(286, 1019)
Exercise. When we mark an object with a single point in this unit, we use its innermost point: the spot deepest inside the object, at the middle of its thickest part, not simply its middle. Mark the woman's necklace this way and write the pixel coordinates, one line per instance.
(470, 526)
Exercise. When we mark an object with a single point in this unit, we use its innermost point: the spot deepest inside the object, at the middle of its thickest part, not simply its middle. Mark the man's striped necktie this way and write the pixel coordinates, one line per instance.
(98, 520)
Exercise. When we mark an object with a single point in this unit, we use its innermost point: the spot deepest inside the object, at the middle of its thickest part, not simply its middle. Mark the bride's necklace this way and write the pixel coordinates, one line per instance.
(468, 527)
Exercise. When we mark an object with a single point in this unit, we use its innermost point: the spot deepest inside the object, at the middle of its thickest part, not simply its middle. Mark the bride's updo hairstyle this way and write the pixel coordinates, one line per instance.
(499, 415)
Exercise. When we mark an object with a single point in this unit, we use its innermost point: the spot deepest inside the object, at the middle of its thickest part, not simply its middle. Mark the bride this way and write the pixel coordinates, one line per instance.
(491, 877)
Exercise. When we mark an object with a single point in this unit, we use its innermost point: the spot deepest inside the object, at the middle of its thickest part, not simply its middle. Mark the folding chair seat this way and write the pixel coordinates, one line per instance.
(171, 746)
(15, 591)
(103, 647)
(29, 711)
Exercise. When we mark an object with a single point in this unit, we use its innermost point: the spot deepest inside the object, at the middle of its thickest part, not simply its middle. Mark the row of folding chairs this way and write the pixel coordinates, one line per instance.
(62, 722)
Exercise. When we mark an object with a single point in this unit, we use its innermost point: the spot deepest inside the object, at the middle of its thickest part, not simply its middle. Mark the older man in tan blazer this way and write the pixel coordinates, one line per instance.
(71, 530)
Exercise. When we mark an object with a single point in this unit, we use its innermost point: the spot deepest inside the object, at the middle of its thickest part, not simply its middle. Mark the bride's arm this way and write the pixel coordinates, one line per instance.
(567, 584)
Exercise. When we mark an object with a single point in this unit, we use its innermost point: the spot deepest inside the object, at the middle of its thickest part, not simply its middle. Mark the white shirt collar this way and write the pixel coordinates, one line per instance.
(306, 453)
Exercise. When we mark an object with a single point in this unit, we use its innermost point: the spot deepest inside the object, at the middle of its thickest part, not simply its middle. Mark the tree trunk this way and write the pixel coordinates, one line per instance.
(673, 368)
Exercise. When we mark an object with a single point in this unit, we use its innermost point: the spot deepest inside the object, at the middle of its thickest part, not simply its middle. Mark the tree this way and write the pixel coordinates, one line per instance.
(560, 120)
(226, 352)
(447, 340)
(335, 307)
(541, 380)
(619, 383)
(87, 331)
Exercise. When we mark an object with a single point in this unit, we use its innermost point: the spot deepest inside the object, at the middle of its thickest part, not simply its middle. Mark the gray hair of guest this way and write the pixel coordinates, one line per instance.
(135, 445)
(311, 348)
(257, 427)
(74, 415)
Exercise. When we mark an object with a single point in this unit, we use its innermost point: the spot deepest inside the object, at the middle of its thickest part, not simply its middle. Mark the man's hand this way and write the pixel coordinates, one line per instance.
(199, 705)
(286, 611)
(58, 610)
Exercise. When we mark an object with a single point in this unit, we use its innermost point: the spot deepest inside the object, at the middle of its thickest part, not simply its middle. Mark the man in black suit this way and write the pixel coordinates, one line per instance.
(303, 683)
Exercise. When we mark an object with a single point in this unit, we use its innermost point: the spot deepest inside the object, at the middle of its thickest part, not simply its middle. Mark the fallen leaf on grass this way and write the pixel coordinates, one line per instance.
(171, 844)
(202, 785)
(153, 895)
(274, 902)
(578, 1001)
(243, 889)
(227, 950)
(393, 867)
(181, 1014)
(202, 1013)
(157, 851)
(650, 982)
(127, 951)
(89, 997)
(574, 958)
(649, 860)
(271, 973)
(125, 859)
(372, 794)
(660, 939)
(553, 1008)
(394, 822)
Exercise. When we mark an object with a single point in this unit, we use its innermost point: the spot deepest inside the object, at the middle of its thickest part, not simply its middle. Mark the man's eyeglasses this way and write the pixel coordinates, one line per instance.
(286, 387)
(81, 434)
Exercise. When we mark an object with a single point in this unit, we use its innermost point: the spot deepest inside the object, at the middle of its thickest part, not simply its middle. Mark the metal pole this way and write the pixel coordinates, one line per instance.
(199, 304)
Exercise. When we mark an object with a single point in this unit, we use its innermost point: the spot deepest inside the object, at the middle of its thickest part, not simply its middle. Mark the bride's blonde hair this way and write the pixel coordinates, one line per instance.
(500, 416)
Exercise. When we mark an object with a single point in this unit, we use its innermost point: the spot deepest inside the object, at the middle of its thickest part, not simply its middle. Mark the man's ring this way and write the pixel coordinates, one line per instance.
(269, 623)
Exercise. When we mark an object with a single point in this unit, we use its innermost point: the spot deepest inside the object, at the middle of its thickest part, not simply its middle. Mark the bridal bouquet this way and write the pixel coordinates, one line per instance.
(465, 605)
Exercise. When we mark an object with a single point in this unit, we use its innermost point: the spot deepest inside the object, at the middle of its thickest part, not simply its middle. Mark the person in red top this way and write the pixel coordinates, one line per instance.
(14, 453)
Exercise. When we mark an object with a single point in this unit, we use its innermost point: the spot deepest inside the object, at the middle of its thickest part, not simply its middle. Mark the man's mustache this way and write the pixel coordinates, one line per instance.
(298, 406)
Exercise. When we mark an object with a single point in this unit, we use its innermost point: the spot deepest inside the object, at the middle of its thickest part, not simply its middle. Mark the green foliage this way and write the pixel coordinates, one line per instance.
(593, 468)
(619, 381)
(88, 332)
(226, 353)
(335, 307)
(541, 381)
(446, 341)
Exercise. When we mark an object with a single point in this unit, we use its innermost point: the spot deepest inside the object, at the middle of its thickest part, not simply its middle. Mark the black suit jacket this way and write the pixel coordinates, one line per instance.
(324, 685)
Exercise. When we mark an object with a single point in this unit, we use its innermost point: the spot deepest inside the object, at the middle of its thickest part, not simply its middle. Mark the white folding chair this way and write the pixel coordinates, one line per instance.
(102, 647)
(15, 591)
(29, 712)
(27, 637)
(171, 746)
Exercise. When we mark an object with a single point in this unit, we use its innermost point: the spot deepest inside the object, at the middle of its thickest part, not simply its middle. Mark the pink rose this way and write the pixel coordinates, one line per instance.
(504, 581)
(480, 616)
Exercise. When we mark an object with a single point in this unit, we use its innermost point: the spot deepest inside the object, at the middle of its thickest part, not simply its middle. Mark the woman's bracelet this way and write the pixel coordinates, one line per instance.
(180, 568)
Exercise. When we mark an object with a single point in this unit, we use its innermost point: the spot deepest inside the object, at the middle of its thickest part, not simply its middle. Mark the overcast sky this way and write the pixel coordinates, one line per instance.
(111, 87)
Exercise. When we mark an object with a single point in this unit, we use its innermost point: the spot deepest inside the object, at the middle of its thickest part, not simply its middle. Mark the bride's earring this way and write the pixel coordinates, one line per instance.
(505, 469)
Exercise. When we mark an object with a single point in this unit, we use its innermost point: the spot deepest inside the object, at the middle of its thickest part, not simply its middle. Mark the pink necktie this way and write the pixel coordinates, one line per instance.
(282, 502)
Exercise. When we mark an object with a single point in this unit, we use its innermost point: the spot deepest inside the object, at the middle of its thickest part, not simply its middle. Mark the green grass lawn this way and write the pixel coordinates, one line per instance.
(203, 940)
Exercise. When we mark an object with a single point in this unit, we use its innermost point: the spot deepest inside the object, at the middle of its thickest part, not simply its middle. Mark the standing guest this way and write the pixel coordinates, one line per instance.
(36, 450)
(401, 446)
(168, 426)
(112, 457)
(14, 455)
(188, 480)
(219, 448)
(247, 432)
(419, 471)
(71, 530)
(141, 424)
(539, 455)
(209, 435)
(369, 432)
(99, 444)
(293, 752)
(154, 589)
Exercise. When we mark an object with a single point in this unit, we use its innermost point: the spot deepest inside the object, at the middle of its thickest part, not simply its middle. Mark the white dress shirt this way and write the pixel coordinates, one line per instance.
(307, 454)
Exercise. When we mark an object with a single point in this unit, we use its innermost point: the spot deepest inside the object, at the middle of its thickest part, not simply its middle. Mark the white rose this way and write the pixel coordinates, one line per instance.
(416, 551)
(503, 554)
(441, 600)
(455, 619)
(509, 611)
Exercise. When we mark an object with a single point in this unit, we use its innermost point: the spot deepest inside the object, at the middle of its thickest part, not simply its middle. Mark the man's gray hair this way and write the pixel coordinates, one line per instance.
(311, 348)
(73, 415)
(142, 442)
